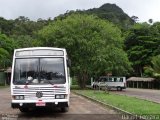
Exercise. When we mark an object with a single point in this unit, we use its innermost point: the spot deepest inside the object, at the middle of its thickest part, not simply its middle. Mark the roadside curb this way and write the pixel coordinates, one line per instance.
(121, 111)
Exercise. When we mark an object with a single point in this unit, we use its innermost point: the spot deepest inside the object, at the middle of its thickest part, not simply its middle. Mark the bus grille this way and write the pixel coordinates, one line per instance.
(48, 92)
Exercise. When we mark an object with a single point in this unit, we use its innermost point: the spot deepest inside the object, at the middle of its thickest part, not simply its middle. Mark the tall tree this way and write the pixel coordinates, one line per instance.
(154, 69)
(142, 43)
(6, 26)
(150, 21)
(134, 18)
(23, 41)
(94, 45)
(6, 50)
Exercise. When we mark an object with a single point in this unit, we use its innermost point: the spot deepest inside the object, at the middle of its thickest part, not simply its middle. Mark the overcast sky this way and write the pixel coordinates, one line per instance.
(34, 9)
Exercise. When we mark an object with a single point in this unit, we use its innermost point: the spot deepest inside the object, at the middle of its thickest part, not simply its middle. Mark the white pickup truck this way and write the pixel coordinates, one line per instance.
(111, 82)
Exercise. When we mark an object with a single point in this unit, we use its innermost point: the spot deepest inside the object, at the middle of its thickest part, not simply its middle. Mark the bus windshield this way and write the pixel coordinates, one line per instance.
(33, 71)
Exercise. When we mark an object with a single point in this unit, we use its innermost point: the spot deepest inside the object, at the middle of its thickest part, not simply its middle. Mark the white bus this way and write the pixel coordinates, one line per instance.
(40, 78)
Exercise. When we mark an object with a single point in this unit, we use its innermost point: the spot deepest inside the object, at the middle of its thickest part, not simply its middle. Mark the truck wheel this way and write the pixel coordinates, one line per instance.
(95, 87)
(23, 109)
(119, 89)
(64, 109)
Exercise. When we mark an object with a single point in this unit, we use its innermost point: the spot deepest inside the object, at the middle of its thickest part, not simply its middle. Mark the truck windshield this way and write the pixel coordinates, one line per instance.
(39, 71)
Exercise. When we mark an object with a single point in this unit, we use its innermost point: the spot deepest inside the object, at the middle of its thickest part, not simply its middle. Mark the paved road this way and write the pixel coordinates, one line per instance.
(148, 94)
(80, 109)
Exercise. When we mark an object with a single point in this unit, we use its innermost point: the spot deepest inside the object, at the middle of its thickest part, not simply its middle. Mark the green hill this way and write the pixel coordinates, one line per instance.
(112, 13)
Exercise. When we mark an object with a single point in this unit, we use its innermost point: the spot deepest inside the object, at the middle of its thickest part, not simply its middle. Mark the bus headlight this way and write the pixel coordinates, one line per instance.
(18, 97)
(59, 96)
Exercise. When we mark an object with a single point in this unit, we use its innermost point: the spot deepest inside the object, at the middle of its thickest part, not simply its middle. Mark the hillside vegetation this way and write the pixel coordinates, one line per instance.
(99, 41)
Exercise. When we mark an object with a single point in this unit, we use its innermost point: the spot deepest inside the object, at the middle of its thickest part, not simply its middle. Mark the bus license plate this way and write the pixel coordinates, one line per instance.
(40, 103)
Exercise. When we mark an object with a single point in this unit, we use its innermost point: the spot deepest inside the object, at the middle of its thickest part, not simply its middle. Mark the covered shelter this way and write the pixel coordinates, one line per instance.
(141, 82)
(8, 75)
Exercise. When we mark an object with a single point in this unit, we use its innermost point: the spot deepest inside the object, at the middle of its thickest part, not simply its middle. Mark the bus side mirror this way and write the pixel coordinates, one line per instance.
(69, 63)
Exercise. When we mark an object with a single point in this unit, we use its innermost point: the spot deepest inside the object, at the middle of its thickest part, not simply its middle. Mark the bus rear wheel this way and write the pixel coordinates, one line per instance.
(119, 89)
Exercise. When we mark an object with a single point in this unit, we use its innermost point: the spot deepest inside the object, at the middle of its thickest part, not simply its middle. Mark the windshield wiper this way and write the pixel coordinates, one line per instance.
(48, 81)
(26, 84)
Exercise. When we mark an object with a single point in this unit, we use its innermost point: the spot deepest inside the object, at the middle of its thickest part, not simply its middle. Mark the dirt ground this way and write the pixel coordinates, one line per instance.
(80, 109)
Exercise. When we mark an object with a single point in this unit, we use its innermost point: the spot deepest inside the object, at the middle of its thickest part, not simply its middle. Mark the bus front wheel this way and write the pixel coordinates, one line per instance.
(64, 109)
(22, 109)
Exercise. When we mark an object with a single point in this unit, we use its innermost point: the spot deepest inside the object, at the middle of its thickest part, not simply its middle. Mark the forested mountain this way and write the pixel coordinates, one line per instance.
(140, 42)
(110, 12)
(114, 14)
(24, 26)
(21, 26)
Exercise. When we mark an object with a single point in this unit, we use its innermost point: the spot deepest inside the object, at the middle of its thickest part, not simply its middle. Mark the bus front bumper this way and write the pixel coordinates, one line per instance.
(32, 104)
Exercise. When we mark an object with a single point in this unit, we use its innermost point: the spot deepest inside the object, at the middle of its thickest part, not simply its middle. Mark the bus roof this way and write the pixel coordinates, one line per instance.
(40, 48)
(40, 51)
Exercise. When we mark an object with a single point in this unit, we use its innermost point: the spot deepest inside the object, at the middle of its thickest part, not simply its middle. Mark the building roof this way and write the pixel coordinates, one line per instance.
(140, 79)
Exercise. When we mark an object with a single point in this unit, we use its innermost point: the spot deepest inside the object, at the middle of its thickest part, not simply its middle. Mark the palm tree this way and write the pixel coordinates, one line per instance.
(154, 70)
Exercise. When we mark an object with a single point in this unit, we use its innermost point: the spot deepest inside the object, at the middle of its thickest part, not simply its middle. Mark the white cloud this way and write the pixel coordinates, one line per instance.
(34, 9)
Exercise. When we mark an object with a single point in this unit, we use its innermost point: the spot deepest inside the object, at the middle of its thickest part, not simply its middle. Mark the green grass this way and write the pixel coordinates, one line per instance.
(130, 104)
(75, 87)
(3, 86)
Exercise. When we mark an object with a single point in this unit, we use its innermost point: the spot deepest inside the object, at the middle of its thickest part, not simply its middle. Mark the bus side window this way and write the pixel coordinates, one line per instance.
(106, 80)
(121, 79)
(115, 79)
(118, 79)
(103, 80)
(99, 80)
(110, 80)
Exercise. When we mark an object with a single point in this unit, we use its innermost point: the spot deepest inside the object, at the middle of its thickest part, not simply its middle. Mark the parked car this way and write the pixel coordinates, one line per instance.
(111, 82)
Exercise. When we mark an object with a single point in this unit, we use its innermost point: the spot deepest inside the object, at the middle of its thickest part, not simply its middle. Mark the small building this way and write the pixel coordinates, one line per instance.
(142, 82)
(2, 78)
(5, 76)
(8, 75)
